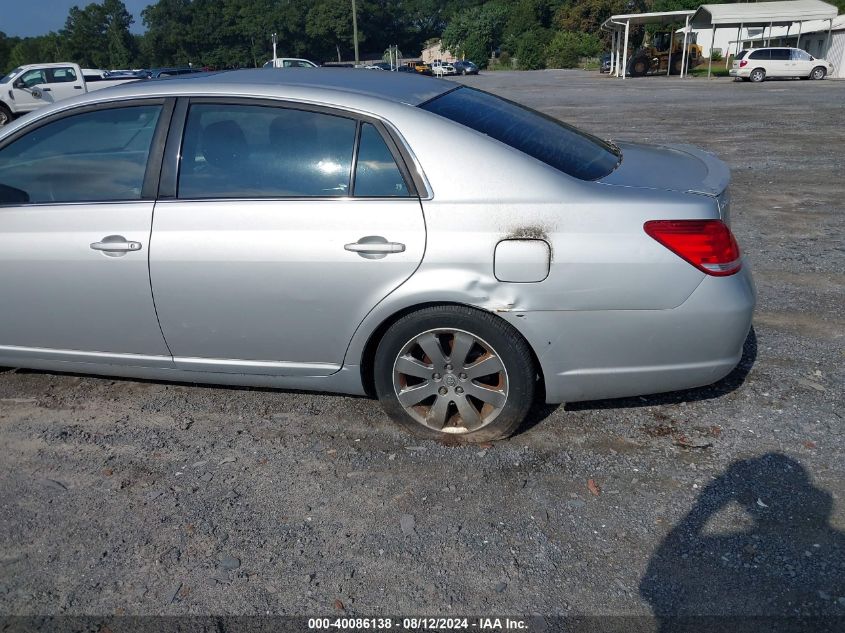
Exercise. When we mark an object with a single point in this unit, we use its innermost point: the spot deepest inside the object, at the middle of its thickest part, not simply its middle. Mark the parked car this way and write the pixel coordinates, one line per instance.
(291, 62)
(34, 86)
(605, 63)
(158, 73)
(761, 63)
(420, 67)
(442, 69)
(308, 234)
(465, 67)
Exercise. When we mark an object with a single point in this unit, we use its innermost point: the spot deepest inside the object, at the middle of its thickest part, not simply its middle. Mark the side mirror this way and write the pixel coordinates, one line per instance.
(18, 84)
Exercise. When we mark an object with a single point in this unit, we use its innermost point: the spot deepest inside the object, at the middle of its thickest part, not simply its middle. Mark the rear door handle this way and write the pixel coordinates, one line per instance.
(116, 245)
(374, 247)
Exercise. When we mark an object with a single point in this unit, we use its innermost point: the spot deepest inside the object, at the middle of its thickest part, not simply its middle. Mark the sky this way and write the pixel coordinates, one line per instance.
(37, 17)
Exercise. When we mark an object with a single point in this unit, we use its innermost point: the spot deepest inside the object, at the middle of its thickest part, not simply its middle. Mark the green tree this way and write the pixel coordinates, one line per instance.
(567, 47)
(530, 51)
(475, 33)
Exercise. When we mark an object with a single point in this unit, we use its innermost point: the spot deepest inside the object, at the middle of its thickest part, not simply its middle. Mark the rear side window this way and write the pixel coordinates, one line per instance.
(88, 157)
(761, 54)
(553, 142)
(376, 173)
(780, 54)
(60, 75)
(238, 151)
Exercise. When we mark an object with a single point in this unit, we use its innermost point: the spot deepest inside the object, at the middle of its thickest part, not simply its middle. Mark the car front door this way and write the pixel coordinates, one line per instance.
(26, 90)
(74, 236)
(802, 63)
(285, 227)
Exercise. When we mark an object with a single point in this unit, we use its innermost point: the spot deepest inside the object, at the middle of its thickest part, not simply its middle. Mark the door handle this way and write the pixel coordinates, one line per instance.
(46, 90)
(374, 247)
(116, 245)
(77, 87)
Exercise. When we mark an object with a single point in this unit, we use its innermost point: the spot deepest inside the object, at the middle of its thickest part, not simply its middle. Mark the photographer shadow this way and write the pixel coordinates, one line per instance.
(782, 569)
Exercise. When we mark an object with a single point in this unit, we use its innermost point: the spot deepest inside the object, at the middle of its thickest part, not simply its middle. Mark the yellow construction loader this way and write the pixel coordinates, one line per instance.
(654, 56)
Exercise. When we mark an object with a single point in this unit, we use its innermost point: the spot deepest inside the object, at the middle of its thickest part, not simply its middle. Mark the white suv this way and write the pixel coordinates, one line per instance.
(759, 63)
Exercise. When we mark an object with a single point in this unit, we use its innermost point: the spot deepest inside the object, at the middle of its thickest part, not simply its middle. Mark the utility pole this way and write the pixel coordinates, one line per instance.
(355, 31)
(274, 50)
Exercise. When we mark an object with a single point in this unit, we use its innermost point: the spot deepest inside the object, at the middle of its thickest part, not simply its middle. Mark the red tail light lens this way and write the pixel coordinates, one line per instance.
(708, 245)
(743, 63)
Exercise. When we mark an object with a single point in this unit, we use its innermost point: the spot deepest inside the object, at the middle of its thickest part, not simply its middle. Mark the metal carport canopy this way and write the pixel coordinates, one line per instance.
(713, 16)
(788, 11)
(621, 24)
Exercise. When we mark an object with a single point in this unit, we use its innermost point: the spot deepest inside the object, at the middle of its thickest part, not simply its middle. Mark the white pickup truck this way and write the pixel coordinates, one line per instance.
(28, 88)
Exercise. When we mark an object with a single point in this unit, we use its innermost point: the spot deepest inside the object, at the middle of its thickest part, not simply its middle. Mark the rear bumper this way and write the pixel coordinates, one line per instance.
(620, 353)
(739, 72)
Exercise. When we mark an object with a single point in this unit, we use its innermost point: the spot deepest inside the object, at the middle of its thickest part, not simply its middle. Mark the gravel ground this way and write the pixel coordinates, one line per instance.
(120, 496)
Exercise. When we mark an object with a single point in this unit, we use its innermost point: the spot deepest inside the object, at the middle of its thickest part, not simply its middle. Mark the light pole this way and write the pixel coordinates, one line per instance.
(274, 50)
(355, 31)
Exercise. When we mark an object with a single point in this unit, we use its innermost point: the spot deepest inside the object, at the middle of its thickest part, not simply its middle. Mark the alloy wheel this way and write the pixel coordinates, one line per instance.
(450, 381)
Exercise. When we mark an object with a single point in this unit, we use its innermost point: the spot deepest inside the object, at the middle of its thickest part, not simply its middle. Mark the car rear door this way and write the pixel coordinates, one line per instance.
(267, 251)
(76, 202)
(63, 83)
(780, 64)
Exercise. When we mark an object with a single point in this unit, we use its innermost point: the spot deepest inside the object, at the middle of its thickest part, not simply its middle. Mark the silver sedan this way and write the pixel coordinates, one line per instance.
(305, 230)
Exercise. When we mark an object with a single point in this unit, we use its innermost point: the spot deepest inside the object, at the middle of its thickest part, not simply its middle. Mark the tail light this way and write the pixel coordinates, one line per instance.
(743, 63)
(708, 245)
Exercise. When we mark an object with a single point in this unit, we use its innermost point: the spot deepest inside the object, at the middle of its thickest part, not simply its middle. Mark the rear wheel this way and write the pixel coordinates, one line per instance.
(5, 115)
(757, 75)
(818, 73)
(455, 371)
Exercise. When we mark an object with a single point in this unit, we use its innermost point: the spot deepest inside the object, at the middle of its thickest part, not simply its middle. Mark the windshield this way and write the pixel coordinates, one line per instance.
(562, 146)
(11, 75)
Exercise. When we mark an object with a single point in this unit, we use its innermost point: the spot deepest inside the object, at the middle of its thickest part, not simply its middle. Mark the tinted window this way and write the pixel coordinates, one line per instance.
(93, 156)
(761, 54)
(741, 54)
(549, 140)
(376, 173)
(780, 54)
(234, 151)
(60, 75)
(801, 56)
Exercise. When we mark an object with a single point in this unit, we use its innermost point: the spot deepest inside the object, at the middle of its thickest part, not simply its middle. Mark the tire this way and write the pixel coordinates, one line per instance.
(676, 67)
(757, 75)
(5, 115)
(639, 67)
(818, 73)
(446, 395)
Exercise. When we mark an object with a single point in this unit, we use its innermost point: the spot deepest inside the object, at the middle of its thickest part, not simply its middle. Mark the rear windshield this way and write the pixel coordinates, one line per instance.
(562, 146)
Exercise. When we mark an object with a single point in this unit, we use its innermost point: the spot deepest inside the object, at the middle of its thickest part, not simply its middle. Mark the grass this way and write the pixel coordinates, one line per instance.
(719, 70)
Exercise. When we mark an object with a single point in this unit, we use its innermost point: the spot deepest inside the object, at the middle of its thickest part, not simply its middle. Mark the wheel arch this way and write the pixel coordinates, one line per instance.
(368, 353)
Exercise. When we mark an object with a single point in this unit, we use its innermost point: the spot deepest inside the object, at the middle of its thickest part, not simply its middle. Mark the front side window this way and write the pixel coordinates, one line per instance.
(800, 56)
(237, 151)
(34, 78)
(376, 172)
(553, 142)
(93, 156)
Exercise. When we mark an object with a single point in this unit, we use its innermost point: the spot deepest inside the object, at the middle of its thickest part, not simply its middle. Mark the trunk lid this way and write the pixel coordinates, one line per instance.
(674, 167)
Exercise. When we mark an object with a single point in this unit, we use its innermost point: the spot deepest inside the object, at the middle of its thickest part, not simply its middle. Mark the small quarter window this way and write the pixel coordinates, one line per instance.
(93, 156)
(376, 172)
